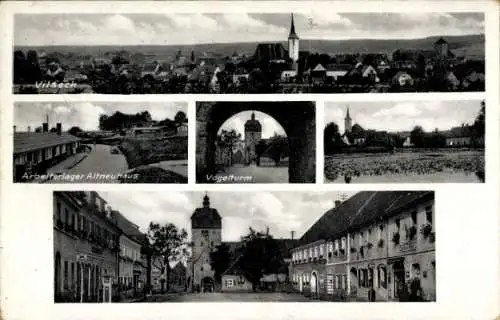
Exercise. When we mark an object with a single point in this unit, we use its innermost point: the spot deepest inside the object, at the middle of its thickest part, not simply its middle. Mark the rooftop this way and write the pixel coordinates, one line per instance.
(29, 141)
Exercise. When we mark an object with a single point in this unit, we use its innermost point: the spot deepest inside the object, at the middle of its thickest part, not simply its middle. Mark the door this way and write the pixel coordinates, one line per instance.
(300, 284)
(399, 277)
(314, 284)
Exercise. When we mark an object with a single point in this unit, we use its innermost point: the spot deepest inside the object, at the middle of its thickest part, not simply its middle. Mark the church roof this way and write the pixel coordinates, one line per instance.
(440, 41)
(293, 35)
(253, 125)
(206, 217)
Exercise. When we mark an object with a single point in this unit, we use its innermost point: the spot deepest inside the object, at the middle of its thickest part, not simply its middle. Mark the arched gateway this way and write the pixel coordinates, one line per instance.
(296, 118)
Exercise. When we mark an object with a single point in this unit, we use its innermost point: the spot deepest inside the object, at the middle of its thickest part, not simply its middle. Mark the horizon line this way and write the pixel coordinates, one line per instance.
(234, 42)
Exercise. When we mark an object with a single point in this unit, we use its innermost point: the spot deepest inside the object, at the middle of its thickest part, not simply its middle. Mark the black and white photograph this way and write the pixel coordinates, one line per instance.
(405, 141)
(256, 142)
(87, 142)
(283, 246)
(320, 52)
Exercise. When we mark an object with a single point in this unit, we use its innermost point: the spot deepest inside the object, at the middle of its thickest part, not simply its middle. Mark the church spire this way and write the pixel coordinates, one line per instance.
(206, 201)
(292, 35)
(347, 116)
(253, 115)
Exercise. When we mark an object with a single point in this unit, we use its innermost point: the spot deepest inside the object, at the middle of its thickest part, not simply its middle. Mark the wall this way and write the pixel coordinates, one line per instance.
(240, 284)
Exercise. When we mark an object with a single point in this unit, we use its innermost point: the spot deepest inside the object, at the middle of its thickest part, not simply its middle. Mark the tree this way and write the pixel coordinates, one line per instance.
(227, 140)
(278, 148)
(180, 117)
(260, 148)
(19, 67)
(38, 129)
(166, 244)
(219, 260)
(260, 255)
(332, 139)
(479, 127)
(417, 136)
(74, 131)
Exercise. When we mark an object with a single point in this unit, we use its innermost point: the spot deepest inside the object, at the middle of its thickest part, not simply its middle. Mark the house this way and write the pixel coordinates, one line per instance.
(459, 136)
(177, 278)
(474, 80)
(336, 71)
(239, 75)
(155, 71)
(288, 75)
(407, 142)
(361, 71)
(402, 79)
(452, 81)
(234, 280)
(372, 242)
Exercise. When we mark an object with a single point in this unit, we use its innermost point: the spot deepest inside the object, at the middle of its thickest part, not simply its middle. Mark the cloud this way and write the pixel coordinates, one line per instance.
(403, 116)
(184, 29)
(85, 114)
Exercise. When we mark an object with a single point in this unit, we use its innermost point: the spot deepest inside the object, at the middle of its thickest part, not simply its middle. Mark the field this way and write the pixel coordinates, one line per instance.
(422, 166)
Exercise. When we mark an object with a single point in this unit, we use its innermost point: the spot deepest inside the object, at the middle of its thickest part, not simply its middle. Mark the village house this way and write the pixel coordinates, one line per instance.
(459, 136)
(372, 242)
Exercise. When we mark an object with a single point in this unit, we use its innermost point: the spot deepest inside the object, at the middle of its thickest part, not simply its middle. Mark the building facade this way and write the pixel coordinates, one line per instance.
(86, 246)
(206, 226)
(35, 152)
(375, 242)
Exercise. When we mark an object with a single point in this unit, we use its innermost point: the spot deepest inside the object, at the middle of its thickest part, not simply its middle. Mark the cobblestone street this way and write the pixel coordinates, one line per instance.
(230, 297)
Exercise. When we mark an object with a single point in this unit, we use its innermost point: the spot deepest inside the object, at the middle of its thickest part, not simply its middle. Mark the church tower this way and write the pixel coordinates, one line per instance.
(206, 229)
(253, 134)
(293, 44)
(347, 122)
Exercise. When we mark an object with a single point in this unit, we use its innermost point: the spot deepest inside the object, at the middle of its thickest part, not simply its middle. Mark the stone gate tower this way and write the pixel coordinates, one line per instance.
(206, 228)
(253, 134)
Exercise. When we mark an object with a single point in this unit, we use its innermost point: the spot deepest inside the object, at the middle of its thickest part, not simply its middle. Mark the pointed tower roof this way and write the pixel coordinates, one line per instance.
(347, 116)
(206, 217)
(293, 35)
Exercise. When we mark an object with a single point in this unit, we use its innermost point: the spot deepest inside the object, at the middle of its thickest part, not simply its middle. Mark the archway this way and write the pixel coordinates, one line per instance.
(207, 284)
(296, 118)
(314, 284)
(57, 275)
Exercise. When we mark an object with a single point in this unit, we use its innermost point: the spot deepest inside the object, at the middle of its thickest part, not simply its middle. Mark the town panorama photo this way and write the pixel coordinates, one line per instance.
(248, 53)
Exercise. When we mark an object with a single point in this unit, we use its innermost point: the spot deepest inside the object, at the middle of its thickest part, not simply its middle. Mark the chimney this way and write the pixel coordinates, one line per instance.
(58, 128)
(45, 127)
(14, 128)
(337, 203)
(292, 234)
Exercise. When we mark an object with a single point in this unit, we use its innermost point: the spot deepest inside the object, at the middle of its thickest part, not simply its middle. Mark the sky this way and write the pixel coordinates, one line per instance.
(237, 122)
(86, 115)
(282, 212)
(404, 115)
(179, 29)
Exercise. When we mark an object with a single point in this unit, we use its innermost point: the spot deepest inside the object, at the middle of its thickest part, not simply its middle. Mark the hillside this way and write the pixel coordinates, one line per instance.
(471, 44)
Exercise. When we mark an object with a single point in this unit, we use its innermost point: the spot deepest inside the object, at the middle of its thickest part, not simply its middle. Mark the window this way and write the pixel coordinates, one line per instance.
(321, 249)
(382, 276)
(315, 252)
(310, 252)
(369, 236)
(428, 214)
(414, 217)
(58, 213)
(344, 277)
(229, 283)
(65, 274)
(73, 272)
(337, 245)
(361, 238)
(342, 244)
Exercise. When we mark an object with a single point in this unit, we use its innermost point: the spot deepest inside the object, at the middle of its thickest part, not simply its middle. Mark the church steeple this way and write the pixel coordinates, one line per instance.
(292, 35)
(347, 122)
(253, 115)
(206, 201)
